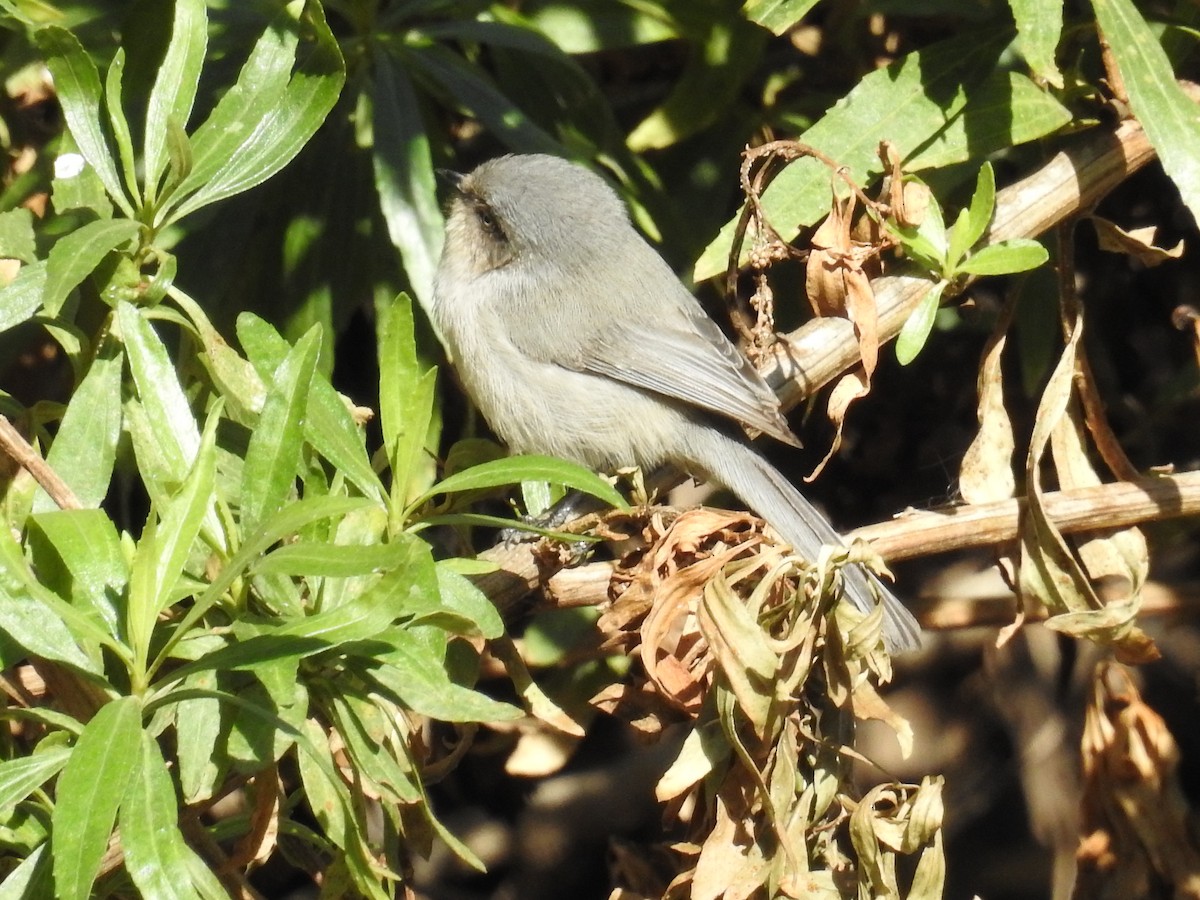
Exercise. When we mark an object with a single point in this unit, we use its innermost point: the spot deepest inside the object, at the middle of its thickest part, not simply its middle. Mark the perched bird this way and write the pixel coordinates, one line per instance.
(576, 339)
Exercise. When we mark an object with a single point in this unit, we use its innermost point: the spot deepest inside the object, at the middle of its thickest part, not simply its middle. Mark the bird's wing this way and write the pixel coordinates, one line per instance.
(688, 359)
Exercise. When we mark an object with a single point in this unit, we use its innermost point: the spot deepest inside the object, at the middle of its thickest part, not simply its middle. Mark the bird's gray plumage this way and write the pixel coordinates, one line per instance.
(575, 338)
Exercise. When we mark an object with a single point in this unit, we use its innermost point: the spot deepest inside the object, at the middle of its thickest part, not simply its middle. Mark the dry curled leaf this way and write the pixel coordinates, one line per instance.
(1137, 242)
(836, 282)
(1137, 840)
(986, 473)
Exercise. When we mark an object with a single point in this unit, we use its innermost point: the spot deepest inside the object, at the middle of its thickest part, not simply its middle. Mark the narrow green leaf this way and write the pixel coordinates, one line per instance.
(166, 543)
(1005, 258)
(203, 726)
(916, 328)
(310, 558)
(974, 221)
(273, 458)
(113, 95)
(479, 95)
(19, 777)
(462, 597)
(1171, 119)
(404, 174)
(39, 620)
(327, 797)
(174, 90)
(406, 399)
(777, 15)
(286, 522)
(416, 677)
(1039, 29)
(74, 257)
(251, 135)
(88, 793)
(167, 408)
(959, 233)
(21, 297)
(371, 746)
(515, 469)
(31, 878)
(77, 84)
(85, 448)
(328, 424)
(40, 631)
(156, 856)
(87, 545)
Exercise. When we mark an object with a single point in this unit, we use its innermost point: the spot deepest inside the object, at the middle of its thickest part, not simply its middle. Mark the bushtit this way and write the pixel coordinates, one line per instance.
(576, 339)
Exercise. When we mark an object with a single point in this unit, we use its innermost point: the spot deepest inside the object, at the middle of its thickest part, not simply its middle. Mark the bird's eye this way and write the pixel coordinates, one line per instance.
(488, 221)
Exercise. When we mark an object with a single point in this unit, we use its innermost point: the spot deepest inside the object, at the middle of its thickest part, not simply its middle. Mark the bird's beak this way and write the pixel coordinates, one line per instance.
(452, 178)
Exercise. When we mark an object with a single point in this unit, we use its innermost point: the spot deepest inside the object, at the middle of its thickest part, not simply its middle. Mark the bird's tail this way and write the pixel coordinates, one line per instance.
(761, 487)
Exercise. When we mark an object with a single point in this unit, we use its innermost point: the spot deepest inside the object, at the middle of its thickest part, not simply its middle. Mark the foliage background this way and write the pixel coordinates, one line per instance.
(662, 95)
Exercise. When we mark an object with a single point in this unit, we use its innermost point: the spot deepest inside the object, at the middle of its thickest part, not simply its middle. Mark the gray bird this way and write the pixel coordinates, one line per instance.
(575, 339)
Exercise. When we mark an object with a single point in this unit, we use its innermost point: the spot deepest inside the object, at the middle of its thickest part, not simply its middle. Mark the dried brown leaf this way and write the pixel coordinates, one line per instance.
(850, 387)
(1138, 839)
(986, 473)
(1137, 242)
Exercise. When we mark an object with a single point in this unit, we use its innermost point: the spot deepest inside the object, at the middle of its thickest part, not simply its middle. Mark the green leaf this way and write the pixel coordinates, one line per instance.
(310, 558)
(31, 878)
(76, 186)
(777, 15)
(39, 620)
(88, 793)
(515, 469)
(21, 297)
(16, 235)
(234, 376)
(1005, 258)
(942, 104)
(77, 84)
(406, 401)
(156, 856)
(174, 89)
(85, 448)
(328, 797)
(479, 95)
(89, 550)
(413, 674)
(461, 596)
(973, 221)
(203, 725)
(328, 424)
(20, 777)
(1039, 29)
(1167, 114)
(74, 257)
(371, 745)
(40, 630)
(916, 328)
(167, 409)
(166, 543)
(261, 123)
(404, 174)
(113, 92)
(285, 523)
(273, 458)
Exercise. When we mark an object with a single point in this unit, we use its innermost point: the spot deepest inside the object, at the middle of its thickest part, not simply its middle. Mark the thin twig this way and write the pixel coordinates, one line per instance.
(13, 443)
